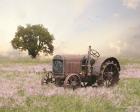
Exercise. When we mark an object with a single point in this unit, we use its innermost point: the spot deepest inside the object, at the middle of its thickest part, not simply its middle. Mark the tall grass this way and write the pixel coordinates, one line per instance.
(27, 95)
(22, 92)
(128, 60)
(23, 60)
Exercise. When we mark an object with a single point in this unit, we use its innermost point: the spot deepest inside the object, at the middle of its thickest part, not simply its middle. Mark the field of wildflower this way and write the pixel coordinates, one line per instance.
(21, 91)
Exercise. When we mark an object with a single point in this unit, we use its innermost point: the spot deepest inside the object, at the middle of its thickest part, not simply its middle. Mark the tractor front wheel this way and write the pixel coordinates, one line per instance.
(48, 78)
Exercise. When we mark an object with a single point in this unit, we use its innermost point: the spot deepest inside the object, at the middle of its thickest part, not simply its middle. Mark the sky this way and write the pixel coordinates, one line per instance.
(112, 27)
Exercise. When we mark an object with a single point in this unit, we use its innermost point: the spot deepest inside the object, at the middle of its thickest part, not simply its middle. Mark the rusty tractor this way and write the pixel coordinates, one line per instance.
(72, 71)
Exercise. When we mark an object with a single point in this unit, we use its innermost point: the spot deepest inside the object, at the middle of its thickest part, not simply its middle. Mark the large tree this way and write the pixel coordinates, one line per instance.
(34, 39)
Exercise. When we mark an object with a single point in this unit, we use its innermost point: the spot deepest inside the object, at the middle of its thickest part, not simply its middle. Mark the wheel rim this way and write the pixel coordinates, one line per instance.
(72, 81)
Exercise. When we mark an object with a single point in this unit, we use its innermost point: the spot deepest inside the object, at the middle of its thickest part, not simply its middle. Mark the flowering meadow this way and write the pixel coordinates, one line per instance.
(21, 91)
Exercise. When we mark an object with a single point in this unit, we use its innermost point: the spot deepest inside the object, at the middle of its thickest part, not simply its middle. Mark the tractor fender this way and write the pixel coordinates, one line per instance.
(99, 64)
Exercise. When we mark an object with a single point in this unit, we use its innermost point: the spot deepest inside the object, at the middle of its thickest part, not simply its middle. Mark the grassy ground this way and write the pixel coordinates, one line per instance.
(23, 60)
(125, 60)
(22, 92)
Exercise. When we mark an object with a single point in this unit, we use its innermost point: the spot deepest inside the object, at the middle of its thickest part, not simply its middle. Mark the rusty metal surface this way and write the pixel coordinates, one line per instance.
(72, 63)
(68, 57)
(72, 66)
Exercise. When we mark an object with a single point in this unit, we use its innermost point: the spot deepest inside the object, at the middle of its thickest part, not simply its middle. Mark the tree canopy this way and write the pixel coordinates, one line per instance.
(34, 39)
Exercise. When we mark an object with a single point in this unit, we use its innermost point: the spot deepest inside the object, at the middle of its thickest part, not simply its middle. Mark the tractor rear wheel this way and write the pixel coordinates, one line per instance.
(110, 74)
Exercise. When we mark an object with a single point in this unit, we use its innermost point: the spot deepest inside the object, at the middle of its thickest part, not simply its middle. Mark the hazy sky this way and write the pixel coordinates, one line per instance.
(110, 26)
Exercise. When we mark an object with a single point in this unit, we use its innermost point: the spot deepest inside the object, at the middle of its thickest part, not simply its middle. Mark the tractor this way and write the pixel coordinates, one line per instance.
(73, 71)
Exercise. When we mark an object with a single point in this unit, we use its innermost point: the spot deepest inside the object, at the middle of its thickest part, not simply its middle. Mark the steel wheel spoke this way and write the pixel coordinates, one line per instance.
(110, 73)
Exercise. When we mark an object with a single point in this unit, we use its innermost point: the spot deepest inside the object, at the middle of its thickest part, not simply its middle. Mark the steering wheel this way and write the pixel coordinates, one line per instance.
(95, 53)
